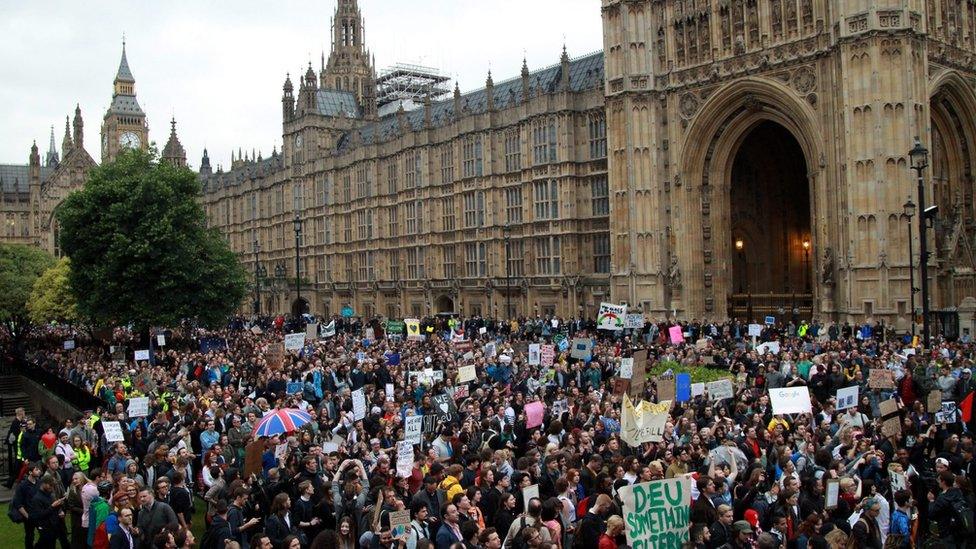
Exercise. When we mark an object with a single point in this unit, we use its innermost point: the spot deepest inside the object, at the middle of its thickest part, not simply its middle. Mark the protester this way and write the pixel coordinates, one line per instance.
(478, 474)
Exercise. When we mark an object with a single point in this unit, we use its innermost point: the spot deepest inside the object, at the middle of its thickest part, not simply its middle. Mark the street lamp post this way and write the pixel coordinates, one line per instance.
(919, 156)
(279, 279)
(739, 245)
(806, 263)
(909, 209)
(508, 274)
(298, 273)
(257, 279)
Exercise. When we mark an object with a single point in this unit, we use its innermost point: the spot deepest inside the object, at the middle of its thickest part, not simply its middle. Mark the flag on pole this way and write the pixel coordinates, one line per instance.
(966, 407)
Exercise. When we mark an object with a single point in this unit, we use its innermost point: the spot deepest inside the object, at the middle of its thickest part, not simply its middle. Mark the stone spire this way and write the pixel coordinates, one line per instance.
(173, 152)
(51, 160)
(490, 92)
(564, 70)
(66, 143)
(79, 127)
(525, 79)
(205, 163)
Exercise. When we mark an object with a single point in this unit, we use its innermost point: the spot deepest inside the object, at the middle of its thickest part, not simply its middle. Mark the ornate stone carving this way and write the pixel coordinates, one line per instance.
(674, 274)
(827, 268)
(857, 24)
(804, 80)
(688, 105)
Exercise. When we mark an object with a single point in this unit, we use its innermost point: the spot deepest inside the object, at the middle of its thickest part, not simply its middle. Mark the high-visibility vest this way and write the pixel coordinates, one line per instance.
(92, 421)
(82, 458)
(20, 453)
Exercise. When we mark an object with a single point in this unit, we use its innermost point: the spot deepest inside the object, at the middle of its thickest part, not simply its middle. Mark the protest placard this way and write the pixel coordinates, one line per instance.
(770, 347)
(881, 378)
(142, 354)
(634, 321)
(548, 355)
(139, 407)
(832, 494)
(113, 431)
(404, 462)
(490, 349)
(675, 335)
(790, 400)
(358, 404)
(390, 390)
(528, 493)
(657, 513)
(682, 387)
(644, 422)
(329, 330)
(466, 374)
(281, 451)
(755, 330)
(69, 344)
(275, 356)
(535, 354)
(312, 331)
(294, 387)
(847, 397)
(947, 413)
(413, 328)
(581, 349)
(399, 523)
(933, 403)
(611, 317)
(412, 429)
(720, 390)
(626, 368)
(533, 414)
(639, 379)
(144, 383)
(665, 388)
(294, 342)
(697, 389)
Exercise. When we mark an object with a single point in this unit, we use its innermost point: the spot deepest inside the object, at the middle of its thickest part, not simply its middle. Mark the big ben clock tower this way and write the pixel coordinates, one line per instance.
(124, 125)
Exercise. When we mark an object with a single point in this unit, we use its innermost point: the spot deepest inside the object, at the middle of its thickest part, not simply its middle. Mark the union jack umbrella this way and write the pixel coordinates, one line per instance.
(281, 421)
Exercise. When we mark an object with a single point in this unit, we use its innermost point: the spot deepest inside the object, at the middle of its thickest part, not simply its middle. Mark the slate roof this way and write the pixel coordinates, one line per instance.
(334, 103)
(124, 73)
(125, 104)
(17, 176)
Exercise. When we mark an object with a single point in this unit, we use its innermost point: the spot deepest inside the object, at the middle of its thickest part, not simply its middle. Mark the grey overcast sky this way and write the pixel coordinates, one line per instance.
(218, 66)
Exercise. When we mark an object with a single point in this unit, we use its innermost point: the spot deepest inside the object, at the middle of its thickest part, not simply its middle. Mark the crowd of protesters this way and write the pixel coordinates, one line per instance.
(758, 479)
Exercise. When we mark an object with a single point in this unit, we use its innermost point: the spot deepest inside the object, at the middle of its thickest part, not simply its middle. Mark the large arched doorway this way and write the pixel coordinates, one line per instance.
(444, 304)
(770, 223)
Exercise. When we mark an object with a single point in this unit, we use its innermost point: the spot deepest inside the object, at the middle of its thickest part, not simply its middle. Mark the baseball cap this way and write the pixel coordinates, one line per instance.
(740, 526)
(942, 461)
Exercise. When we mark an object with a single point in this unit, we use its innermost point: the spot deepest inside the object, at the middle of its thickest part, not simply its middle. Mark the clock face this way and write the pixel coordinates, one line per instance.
(298, 141)
(130, 140)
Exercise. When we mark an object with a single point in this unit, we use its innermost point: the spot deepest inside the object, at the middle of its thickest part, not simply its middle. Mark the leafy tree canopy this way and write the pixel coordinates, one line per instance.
(51, 299)
(140, 251)
(20, 267)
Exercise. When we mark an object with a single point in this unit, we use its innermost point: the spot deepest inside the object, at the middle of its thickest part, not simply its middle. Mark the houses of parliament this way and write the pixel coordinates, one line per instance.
(717, 158)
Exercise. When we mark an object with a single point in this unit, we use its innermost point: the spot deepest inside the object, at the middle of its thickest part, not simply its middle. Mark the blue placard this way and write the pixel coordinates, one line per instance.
(770, 320)
(393, 359)
(294, 387)
(563, 345)
(347, 311)
(682, 387)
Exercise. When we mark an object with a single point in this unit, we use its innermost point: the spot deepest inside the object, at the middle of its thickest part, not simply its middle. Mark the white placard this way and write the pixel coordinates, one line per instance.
(482, 330)
(611, 317)
(329, 447)
(466, 374)
(490, 350)
(389, 391)
(294, 342)
(404, 463)
(113, 431)
(634, 321)
(768, 347)
(790, 400)
(720, 390)
(412, 429)
(755, 330)
(528, 493)
(358, 403)
(535, 354)
(69, 344)
(139, 407)
(847, 397)
(281, 451)
(626, 368)
(468, 355)
(161, 340)
(142, 355)
(697, 389)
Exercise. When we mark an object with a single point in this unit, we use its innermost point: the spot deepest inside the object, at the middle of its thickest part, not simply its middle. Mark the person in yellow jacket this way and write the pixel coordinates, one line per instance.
(452, 482)
(82, 458)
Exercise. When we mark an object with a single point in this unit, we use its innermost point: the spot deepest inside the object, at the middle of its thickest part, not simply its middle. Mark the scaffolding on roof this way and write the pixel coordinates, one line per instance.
(410, 83)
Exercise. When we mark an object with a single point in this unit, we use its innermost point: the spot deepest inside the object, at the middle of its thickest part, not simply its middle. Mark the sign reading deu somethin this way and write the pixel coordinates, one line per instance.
(656, 513)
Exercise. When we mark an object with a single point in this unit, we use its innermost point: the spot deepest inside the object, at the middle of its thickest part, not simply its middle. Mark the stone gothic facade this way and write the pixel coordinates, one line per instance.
(718, 157)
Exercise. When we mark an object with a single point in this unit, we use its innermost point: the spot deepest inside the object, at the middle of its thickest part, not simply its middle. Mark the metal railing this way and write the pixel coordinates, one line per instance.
(785, 307)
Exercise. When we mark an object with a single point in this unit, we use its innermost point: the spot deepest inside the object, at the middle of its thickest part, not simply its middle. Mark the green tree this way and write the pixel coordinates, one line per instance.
(20, 267)
(52, 298)
(140, 251)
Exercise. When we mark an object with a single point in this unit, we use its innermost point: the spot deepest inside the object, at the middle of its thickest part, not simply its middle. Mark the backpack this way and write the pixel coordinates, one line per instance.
(582, 506)
(962, 522)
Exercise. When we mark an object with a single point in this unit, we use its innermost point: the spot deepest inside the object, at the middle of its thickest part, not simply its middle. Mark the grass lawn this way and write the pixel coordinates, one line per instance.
(12, 535)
